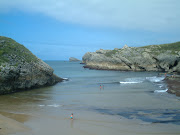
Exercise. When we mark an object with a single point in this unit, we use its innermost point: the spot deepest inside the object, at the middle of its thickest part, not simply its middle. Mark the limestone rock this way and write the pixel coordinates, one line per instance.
(21, 70)
(164, 57)
(125, 46)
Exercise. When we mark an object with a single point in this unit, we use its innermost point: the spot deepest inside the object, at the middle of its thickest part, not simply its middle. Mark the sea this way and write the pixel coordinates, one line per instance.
(102, 102)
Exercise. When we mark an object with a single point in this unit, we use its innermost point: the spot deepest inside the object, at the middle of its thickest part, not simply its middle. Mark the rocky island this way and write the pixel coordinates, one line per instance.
(72, 59)
(163, 58)
(21, 70)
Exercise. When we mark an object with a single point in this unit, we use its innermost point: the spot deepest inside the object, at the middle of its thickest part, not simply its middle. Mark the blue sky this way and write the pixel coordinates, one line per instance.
(59, 29)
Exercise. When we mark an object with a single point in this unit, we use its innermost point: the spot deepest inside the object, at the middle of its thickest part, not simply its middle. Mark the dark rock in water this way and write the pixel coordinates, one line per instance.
(71, 59)
(173, 84)
(164, 57)
(21, 70)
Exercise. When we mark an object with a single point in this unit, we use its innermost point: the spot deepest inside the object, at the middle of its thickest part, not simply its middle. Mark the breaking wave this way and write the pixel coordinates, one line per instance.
(158, 91)
(155, 79)
(128, 82)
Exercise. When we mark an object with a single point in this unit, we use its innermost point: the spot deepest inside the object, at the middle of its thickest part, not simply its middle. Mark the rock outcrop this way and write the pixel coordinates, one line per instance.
(173, 84)
(21, 70)
(71, 59)
(164, 57)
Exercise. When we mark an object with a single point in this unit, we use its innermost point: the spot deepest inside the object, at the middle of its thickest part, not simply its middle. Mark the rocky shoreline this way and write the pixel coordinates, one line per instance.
(173, 84)
(161, 58)
(21, 70)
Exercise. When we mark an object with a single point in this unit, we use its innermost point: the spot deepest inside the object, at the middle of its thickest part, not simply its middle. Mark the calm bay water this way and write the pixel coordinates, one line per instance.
(127, 103)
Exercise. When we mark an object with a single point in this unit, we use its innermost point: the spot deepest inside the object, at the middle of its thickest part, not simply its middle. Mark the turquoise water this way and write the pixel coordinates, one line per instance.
(127, 103)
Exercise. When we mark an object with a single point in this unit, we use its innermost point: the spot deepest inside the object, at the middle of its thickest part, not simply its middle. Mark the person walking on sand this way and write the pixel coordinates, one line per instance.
(100, 87)
(72, 116)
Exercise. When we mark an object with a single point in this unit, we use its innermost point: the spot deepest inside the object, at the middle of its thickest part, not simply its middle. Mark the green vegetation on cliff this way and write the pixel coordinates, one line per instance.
(172, 47)
(110, 53)
(9, 46)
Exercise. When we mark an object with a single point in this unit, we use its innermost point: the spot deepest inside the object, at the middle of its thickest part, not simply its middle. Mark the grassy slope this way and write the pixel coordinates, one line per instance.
(156, 49)
(9, 46)
(173, 47)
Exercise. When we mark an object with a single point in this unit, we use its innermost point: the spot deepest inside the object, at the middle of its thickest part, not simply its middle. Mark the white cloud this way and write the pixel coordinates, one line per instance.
(153, 15)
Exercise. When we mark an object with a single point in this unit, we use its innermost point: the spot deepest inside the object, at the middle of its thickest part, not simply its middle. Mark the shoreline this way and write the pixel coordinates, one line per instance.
(172, 81)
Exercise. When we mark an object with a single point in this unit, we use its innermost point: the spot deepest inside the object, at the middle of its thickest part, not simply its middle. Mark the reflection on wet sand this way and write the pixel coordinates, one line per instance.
(10, 126)
(72, 122)
(18, 117)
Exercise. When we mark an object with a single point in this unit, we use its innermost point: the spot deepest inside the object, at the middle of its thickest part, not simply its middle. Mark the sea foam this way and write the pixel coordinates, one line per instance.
(155, 79)
(53, 105)
(132, 80)
(159, 91)
(128, 82)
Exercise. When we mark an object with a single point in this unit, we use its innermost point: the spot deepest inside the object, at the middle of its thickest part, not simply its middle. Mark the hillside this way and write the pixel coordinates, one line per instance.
(20, 69)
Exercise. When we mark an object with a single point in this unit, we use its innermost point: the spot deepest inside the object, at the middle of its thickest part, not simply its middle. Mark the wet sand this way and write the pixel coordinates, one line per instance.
(10, 126)
(119, 109)
(92, 124)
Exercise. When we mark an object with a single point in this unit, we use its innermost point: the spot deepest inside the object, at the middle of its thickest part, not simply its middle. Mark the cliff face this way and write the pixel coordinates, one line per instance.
(20, 69)
(164, 57)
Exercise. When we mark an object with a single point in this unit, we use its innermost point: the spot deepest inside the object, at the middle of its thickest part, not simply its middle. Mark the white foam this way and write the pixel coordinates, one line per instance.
(128, 82)
(133, 80)
(54, 105)
(160, 85)
(65, 78)
(158, 91)
(155, 79)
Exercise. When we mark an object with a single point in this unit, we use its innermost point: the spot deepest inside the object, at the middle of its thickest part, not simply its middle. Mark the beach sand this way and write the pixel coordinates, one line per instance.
(11, 126)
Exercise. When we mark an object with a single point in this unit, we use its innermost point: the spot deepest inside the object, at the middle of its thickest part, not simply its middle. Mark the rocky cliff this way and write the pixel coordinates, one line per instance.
(21, 70)
(164, 57)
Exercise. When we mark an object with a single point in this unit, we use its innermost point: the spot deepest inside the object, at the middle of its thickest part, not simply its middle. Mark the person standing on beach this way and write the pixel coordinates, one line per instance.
(100, 87)
(72, 116)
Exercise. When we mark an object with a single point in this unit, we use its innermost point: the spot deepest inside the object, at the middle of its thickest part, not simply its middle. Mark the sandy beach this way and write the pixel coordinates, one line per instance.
(131, 103)
(10, 126)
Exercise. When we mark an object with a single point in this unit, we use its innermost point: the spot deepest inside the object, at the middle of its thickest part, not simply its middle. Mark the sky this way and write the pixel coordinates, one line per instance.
(59, 29)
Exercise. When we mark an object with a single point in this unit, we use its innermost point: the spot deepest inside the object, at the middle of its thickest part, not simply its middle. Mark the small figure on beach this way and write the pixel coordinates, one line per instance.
(100, 87)
(72, 116)
(103, 87)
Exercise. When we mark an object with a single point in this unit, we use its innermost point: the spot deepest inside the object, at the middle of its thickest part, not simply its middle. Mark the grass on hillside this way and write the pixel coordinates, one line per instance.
(110, 53)
(9, 46)
(155, 49)
(173, 47)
